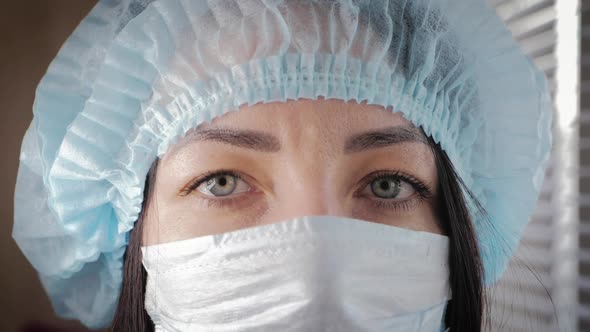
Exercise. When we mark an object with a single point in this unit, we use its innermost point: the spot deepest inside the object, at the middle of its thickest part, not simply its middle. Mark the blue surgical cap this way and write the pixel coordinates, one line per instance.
(136, 75)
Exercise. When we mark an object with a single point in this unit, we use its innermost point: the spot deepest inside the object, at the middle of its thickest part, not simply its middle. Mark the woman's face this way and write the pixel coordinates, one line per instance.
(278, 161)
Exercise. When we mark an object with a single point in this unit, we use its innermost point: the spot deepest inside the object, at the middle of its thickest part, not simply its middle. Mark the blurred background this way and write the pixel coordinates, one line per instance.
(547, 285)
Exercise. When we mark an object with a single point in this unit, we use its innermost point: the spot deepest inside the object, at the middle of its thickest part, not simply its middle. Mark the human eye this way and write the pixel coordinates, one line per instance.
(394, 190)
(218, 187)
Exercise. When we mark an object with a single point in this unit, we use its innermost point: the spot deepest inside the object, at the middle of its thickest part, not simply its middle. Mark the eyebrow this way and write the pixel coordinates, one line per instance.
(249, 139)
(264, 142)
(383, 137)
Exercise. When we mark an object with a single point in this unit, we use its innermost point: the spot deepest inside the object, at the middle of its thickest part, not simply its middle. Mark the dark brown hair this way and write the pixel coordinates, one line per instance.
(464, 313)
(130, 314)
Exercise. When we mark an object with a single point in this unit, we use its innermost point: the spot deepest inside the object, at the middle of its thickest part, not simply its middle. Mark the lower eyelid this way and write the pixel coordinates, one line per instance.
(238, 201)
(404, 206)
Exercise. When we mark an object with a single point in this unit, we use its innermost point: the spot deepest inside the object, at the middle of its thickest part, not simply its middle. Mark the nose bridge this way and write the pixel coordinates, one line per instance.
(310, 190)
(304, 204)
(307, 186)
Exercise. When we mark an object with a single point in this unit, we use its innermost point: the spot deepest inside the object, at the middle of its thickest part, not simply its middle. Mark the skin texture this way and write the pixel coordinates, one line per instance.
(311, 174)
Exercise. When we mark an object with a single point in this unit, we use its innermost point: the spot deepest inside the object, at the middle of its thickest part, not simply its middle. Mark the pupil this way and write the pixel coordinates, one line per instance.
(384, 185)
(222, 181)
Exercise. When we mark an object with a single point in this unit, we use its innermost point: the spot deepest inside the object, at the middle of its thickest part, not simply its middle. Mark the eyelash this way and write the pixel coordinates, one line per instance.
(424, 192)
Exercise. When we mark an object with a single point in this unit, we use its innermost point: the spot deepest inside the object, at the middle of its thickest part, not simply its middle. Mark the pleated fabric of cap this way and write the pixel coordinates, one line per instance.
(135, 76)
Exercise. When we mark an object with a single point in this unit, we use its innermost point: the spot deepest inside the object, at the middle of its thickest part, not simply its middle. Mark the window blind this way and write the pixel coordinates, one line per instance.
(538, 291)
(584, 171)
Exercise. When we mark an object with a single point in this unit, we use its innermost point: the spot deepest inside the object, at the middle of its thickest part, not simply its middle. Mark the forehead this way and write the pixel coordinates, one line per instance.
(332, 115)
(310, 127)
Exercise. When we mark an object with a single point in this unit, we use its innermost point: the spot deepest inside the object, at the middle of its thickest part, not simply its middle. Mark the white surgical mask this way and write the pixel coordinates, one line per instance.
(312, 273)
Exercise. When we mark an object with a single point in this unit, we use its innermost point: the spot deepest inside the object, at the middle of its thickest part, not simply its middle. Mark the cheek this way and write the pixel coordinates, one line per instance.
(189, 217)
(425, 220)
(420, 217)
